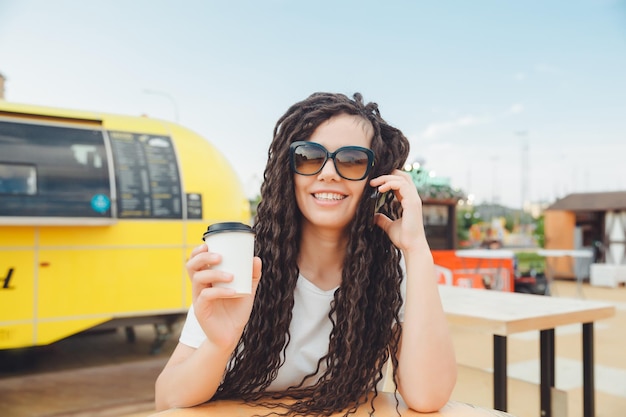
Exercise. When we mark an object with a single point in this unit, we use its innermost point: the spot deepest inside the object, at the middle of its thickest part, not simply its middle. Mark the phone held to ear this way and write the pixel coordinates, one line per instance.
(381, 199)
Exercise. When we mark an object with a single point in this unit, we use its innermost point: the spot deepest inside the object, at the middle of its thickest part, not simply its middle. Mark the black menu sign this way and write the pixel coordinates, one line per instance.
(146, 176)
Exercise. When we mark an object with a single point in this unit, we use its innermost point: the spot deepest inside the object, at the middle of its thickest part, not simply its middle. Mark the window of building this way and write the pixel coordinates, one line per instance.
(53, 171)
(438, 226)
(18, 179)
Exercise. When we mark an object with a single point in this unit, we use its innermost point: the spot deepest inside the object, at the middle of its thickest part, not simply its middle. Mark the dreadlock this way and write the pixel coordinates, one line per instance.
(365, 306)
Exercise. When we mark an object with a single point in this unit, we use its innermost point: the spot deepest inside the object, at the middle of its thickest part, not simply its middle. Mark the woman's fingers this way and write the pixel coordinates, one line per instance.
(203, 260)
(399, 182)
(204, 277)
(200, 272)
(221, 315)
(208, 277)
(198, 249)
(406, 230)
(208, 294)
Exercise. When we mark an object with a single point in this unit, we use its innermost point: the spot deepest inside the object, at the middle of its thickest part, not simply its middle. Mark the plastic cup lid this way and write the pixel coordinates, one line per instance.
(227, 227)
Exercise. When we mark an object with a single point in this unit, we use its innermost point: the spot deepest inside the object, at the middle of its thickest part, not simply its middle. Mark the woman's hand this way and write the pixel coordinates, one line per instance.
(408, 231)
(221, 316)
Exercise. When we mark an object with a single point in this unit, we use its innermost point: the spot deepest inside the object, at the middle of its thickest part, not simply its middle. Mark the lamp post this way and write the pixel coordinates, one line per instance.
(166, 95)
(524, 171)
(494, 194)
(524, 174)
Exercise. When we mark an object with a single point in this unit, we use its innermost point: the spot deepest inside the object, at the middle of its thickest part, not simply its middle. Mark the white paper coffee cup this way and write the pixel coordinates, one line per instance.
(235, 242)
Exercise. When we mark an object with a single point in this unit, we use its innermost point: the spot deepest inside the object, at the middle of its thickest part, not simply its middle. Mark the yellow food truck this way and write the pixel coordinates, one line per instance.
(98, 214)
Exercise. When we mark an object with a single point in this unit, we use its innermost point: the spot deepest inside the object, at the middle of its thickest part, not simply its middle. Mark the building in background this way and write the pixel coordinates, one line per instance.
(592, 221)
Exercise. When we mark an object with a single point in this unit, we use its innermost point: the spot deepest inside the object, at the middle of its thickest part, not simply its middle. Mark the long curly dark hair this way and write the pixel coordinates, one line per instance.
(367, 303)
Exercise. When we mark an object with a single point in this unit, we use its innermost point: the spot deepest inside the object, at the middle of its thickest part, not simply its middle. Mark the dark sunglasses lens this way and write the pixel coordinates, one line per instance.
(308, 159)
(352, 163)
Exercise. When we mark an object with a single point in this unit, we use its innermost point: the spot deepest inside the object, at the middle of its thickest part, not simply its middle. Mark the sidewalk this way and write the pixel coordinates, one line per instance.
(101, 391)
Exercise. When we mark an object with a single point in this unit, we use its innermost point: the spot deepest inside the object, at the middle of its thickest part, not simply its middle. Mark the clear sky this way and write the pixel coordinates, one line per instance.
(471, 83)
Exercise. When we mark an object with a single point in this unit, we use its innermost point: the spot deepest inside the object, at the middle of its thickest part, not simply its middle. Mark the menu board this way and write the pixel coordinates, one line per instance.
(194, 206)
(146, 176)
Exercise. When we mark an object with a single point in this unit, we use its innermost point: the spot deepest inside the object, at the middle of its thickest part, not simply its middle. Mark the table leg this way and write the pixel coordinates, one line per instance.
(579, 278)
(588, 372)
(548, 273)
(546, 346)
(499, 373)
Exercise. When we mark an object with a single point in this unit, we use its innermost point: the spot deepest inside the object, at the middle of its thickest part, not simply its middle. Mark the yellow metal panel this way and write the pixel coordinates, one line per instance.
(27, 111)
(109, 281)
(16, 236)
(134, 124)
(48, 332)
(16, 285)
(126, 233)
(187, 293)
(194, 233)
(14, 336)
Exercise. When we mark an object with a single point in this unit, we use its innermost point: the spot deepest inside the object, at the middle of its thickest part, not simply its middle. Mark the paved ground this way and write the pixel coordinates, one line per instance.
(102, 375)
(90, 375)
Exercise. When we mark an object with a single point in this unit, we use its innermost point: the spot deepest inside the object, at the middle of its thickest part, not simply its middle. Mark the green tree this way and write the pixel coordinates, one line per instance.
(539, 235)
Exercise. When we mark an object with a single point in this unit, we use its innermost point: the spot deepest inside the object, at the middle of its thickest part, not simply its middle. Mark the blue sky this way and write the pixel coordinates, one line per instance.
(469, 82)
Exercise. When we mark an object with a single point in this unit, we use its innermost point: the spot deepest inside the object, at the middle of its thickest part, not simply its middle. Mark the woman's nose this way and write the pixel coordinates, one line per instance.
(328, 171)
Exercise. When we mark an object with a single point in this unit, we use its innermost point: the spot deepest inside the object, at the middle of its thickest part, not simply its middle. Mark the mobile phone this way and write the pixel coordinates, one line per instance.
(381, 199)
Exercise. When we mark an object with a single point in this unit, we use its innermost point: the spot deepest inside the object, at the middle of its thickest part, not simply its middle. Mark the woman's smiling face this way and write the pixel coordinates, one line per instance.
(326, 199)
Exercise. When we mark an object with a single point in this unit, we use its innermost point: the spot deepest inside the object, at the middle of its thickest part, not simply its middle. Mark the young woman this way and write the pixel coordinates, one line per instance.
(345, 287)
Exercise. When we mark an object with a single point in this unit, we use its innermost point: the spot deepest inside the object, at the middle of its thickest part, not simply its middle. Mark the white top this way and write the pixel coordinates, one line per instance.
(310, 333)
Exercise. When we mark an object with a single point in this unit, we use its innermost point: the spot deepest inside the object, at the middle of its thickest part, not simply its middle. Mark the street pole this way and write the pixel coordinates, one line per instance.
(167, 96)
(524, 174)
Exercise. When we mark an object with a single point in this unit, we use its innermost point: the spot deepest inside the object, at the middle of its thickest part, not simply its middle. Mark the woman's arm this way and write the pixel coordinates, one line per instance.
(192, 376)
(426, 361)
(426, 364)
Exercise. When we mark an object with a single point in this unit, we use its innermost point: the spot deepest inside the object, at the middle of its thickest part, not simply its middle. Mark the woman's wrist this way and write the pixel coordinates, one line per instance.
(417, 248)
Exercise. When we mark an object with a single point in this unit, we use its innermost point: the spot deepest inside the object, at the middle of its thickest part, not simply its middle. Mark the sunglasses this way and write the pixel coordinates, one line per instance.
(351, 162)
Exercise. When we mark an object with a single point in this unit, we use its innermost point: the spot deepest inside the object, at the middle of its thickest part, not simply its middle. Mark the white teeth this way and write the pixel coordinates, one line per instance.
(328, 196)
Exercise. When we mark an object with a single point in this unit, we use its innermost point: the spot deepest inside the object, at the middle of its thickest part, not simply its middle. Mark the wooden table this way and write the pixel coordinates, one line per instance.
(385, 405)
(505, 313)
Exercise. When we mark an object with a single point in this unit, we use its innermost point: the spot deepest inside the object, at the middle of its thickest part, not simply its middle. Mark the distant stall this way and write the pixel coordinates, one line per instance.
(588, 221)
(439, 201)
(491, 269)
